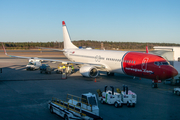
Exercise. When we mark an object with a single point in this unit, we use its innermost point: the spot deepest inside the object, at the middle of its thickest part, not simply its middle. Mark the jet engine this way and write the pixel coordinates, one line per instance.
(35, 60)
(89, 71)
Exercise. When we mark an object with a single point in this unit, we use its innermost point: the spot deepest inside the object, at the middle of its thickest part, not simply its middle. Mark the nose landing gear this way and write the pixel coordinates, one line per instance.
(154, 83)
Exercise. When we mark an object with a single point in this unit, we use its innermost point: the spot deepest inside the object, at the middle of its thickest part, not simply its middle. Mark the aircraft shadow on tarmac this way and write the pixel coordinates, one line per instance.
(19, 72)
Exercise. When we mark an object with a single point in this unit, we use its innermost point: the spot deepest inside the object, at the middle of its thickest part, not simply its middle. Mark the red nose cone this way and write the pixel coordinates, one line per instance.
(63, 23)
(174, 72)
(168, 72)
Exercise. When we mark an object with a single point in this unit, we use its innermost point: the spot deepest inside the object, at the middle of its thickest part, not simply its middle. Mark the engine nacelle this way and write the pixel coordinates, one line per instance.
(89, 71)
(35, 60)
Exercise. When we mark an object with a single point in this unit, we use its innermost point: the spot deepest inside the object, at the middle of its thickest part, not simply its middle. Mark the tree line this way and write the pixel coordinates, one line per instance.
(86, 43)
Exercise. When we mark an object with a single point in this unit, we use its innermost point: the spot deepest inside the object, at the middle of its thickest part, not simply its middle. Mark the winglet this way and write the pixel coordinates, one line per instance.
(63, 23)
(147, 51)
(4, 50)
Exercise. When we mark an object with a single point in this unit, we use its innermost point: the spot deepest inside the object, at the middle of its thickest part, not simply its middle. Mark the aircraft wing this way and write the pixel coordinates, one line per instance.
(20, 57)
(15, 56)
(54, 60)
(79, 63)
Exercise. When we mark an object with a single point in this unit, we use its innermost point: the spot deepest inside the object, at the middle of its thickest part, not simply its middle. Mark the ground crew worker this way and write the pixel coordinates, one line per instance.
(72, 68)
(64, 68)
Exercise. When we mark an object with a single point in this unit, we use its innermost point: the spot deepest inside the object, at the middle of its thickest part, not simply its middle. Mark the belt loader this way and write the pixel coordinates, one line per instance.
(84, 108)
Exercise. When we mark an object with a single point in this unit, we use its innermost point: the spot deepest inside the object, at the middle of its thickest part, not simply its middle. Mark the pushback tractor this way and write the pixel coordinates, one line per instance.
(119, 98)
(84, 108)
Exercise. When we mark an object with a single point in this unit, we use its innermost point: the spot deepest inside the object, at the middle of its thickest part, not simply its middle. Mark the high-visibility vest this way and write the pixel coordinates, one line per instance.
(64, 67)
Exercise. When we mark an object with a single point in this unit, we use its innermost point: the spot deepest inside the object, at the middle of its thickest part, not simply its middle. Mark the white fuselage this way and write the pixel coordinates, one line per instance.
(109, 58)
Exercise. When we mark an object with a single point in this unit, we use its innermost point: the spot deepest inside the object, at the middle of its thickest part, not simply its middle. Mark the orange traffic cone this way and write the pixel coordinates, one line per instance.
(95, 80)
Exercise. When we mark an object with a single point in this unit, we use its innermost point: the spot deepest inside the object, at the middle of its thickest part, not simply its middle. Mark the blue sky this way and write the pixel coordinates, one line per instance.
(101, 20)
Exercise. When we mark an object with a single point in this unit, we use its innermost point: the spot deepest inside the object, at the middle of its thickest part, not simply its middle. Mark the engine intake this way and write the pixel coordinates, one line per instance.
(89, 71)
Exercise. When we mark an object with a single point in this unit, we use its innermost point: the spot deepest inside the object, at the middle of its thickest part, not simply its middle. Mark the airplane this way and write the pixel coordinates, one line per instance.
(91, 61)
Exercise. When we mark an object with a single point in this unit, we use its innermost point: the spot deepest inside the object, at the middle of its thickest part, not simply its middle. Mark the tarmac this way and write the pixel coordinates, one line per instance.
(24, 95)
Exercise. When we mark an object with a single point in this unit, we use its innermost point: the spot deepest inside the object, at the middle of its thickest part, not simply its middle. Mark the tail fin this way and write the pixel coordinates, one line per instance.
(67, 41)
(147, 51)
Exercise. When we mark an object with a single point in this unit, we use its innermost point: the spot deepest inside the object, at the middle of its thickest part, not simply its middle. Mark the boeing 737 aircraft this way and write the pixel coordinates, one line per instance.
(138, 64)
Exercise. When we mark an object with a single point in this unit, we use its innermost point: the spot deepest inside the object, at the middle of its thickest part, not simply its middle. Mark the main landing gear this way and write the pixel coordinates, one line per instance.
(110, 74)
(154, 83)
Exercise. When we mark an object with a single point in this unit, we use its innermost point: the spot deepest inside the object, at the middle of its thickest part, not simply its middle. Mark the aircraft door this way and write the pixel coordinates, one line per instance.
(144, 67)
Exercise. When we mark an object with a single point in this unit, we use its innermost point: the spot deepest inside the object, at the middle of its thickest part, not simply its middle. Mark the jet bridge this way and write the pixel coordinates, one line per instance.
(170, 53)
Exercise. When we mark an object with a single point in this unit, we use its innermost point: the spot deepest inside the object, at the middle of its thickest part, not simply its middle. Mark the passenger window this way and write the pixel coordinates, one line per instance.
(178, 59)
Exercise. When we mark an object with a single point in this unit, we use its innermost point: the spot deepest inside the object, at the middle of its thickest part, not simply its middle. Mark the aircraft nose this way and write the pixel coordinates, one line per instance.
(174, 72)
(169, 72)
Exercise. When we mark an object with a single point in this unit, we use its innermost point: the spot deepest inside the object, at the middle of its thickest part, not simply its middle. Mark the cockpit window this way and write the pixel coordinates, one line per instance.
(161, 63)
(156, 63)
(165, 63)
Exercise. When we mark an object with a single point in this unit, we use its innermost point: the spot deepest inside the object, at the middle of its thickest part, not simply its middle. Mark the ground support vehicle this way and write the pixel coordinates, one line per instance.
(69, 69)
(176, 91)
(84, 108)
(119, 98)
(45, 68)
(172, 81)
(59, 70)
(64, 66)
(33, 64)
